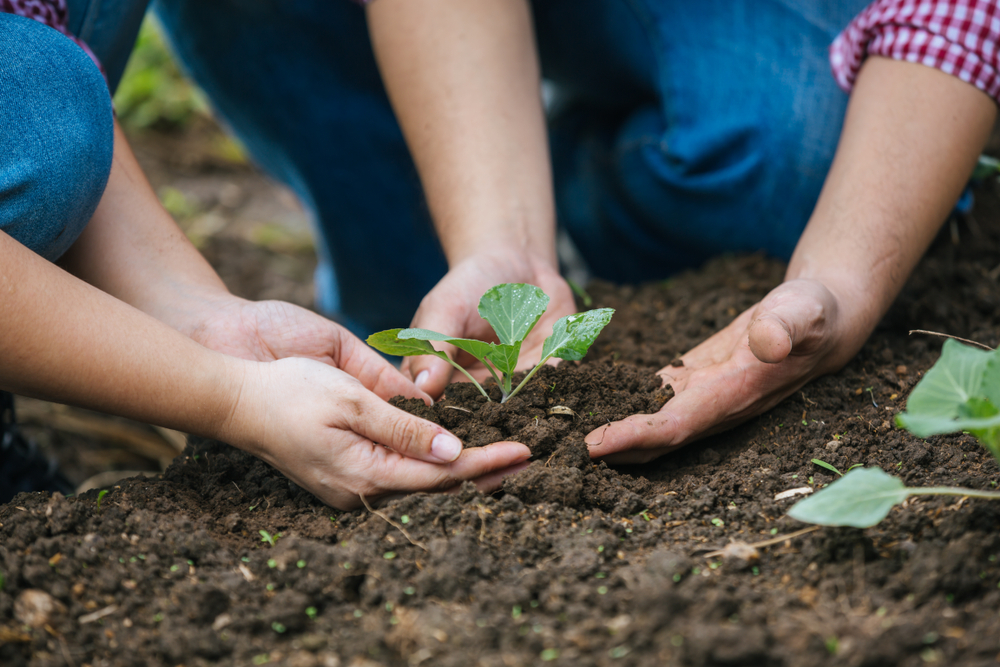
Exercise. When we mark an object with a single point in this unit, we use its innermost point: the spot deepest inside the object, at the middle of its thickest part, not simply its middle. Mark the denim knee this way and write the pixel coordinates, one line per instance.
(56, 136)
(733, 128)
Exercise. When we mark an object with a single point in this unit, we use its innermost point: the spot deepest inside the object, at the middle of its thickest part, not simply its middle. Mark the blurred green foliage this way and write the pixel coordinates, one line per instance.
(153, 93)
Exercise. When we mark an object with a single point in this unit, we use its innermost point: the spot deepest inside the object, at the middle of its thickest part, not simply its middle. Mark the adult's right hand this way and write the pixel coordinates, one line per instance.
(326, 432)
(452, 308)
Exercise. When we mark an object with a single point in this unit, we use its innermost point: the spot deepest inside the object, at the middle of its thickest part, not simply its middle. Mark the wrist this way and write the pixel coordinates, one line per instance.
(512, 235)
(193, 312)
(239, 389)
(522, 258)
(849, 309)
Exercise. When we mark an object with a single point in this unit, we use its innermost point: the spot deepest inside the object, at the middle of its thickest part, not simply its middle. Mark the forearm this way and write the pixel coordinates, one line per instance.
(64, 340)
(464, 81)
(910, 140)
(133, 250)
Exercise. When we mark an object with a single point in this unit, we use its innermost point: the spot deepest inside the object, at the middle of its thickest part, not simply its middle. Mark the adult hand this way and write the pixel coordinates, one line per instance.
(801, 330)
(327, 433)
(871, 224)
(452, 308)
(271, 330)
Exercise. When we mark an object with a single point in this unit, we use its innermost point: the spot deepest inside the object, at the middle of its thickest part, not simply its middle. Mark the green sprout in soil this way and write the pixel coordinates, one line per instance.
(829, 466)
(580, 292)
(512, 309)
(268, 538)
(961, 392)
(100, 497)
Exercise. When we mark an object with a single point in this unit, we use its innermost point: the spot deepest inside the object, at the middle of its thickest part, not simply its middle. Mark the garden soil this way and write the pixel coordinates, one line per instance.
(573, 562)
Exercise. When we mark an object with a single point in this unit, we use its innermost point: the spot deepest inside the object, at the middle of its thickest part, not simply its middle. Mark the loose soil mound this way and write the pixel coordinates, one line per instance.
(573, 563)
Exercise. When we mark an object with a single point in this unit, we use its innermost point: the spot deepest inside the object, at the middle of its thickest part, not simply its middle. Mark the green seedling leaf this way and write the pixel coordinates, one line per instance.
(573, 335)
(389, 342)
(100, 497)
(961, 392)
(417, 343)
(580, 292)
(861, 498)
(476, 348)
(982, 409)
(823, 464)
(512, 309)
(954, 379)
(504, 357)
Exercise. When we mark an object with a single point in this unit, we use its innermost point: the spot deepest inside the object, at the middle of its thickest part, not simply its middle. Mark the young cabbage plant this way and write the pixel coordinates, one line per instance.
(512, 309)
(961, 392)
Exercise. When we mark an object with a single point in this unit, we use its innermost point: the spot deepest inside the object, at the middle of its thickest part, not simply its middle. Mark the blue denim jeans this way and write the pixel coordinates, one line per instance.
(56, 123)
(681, 130)
(56, 136)
(109, 27)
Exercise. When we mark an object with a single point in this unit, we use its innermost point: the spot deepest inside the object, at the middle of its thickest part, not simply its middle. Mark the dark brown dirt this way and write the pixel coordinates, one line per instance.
(573, 563)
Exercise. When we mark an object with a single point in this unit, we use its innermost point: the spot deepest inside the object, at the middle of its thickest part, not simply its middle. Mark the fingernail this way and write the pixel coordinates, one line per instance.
(445, 447)
(421, 379)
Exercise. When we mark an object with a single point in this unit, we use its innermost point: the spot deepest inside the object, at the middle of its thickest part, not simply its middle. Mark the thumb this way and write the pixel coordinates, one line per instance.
(430, 374)
(794, 317)
(374, 372)
(402, 432)
(770, 338)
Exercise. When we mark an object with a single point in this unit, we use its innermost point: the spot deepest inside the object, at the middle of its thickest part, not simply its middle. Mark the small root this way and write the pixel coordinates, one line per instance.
(392, 523)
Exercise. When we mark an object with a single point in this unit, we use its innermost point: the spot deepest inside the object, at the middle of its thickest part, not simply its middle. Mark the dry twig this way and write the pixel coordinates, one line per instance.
(392, 523)
(767, 543)
(944, 335)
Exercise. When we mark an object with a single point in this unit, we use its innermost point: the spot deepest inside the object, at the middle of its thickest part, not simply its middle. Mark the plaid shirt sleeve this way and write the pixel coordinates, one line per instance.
(958, 37)
(52, 13)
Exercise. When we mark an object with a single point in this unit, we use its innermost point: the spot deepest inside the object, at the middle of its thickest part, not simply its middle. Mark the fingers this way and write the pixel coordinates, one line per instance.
(488, 483)
(430, 374)
(402, 432)
(382, 378)
(390, 474)
(494, 480)
(446, 309)
(488, 464)
(684, 418)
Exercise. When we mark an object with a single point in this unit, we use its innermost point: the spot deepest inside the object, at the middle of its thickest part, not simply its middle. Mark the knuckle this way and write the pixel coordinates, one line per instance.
(406, 433)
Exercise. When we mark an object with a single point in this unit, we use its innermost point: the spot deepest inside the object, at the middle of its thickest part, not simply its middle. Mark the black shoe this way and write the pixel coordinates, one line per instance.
(22, 466)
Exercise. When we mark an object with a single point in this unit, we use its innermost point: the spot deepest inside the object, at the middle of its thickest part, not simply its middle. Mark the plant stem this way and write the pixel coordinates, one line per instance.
(524, 381)
(471, 379)
(953, 491)
(493, 372)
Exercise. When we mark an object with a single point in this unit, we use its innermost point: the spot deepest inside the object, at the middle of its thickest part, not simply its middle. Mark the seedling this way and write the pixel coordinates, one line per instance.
(580, 292)
(832, 468)
(960, 392)
(268, 538)
(100, 497)
(512, 309)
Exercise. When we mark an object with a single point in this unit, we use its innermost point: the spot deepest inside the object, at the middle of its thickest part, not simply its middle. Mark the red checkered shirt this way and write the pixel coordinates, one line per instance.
(959, 37)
